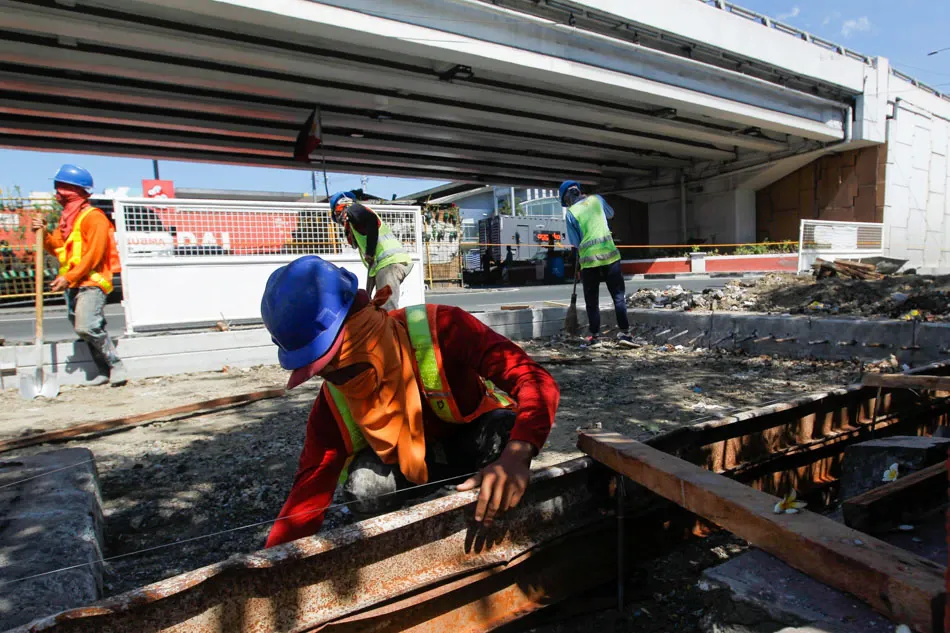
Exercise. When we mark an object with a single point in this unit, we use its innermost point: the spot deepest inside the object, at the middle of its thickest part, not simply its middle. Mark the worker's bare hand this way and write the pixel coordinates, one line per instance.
(502, 483)
(59, 284)
(37, 223)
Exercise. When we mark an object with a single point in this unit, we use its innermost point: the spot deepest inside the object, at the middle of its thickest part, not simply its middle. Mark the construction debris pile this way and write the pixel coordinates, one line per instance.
(907, 297)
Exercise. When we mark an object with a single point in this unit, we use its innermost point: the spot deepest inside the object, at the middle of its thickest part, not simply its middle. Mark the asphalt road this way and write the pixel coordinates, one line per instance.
(17, 324)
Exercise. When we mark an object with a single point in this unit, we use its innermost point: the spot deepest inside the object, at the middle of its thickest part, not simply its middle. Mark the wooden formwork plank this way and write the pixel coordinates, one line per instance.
(903, 381)
(902, 586)
(130, 421)
(883, 506)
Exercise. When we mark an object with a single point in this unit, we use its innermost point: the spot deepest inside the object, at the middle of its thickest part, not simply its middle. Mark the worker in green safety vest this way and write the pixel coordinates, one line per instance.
(597, 256)
(387, 261)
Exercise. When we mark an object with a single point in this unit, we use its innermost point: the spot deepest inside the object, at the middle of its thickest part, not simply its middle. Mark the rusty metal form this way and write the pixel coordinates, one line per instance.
(430, 550)
(799, 444)
(429, 568)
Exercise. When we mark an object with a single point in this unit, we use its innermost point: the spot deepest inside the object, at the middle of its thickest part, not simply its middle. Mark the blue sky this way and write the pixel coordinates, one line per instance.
(32, 171)
(904, 32)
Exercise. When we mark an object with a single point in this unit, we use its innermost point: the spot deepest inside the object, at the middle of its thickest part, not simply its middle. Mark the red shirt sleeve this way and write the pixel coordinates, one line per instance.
(321, 462)
(468, 341)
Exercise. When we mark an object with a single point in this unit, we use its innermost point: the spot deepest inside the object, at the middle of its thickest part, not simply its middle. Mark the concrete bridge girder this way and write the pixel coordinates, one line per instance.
(229, 80)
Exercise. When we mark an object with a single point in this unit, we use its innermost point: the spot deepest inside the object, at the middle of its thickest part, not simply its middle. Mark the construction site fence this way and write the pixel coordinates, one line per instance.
(473, 250)
(189, 262)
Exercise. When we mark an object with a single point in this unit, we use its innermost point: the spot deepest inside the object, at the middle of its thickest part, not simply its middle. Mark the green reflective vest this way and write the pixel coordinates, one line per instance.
(597, 246)
(389, 250)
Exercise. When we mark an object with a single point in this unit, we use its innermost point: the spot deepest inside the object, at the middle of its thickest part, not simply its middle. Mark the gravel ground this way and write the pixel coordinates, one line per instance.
(199, 475)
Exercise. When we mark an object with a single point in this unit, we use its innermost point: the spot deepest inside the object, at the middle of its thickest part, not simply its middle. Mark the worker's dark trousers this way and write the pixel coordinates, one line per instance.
(591, 278)
(473, 447)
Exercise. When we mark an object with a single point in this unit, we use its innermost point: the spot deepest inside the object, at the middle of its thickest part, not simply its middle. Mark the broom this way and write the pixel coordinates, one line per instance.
(570, 321)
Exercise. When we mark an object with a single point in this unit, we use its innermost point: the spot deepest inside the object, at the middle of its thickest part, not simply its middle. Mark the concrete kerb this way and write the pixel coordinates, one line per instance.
(49, 522)
(785, 336)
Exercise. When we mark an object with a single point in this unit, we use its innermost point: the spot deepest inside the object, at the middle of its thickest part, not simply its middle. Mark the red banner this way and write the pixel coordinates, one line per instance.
(158, 188)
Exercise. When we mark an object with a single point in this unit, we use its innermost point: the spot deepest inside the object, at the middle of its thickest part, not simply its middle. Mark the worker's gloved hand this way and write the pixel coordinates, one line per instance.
(37, 223)
(59, 284)
(502, 482)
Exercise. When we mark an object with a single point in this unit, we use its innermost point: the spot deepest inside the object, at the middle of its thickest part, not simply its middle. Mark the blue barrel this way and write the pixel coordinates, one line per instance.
(556, 267)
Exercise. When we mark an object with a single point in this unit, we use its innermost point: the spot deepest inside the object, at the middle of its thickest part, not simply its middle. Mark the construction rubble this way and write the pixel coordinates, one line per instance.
(907, 297)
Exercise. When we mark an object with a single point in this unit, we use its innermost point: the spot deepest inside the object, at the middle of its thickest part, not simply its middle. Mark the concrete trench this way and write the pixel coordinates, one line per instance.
(450, 574)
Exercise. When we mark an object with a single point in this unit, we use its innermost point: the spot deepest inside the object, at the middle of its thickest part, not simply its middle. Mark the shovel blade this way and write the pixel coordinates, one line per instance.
(39, 384)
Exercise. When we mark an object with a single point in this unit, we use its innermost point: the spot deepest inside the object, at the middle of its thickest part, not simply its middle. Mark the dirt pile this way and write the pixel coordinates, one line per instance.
(922, 297)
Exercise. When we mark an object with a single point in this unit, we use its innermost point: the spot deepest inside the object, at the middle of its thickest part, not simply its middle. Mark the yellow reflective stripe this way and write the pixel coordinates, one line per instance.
(357, 441)
(498, 395)
(420, 336)
(100, 281)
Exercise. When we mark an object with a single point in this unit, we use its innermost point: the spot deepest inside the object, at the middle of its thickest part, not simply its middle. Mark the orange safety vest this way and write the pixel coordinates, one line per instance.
(70, 253)
(430, 372)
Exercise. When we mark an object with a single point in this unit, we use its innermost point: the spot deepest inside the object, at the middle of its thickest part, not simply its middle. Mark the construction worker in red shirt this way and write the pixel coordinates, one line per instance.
(387, 262)
(84, 243)
(418, 395)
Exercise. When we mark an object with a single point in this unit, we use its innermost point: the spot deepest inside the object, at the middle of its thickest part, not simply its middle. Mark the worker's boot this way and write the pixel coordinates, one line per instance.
(98, 381)
(117, 375)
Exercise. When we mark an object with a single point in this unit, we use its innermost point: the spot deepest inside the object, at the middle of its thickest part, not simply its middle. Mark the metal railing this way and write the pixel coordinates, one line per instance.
(829, 240)
(788, 29)
(190, 262)
(828, 45)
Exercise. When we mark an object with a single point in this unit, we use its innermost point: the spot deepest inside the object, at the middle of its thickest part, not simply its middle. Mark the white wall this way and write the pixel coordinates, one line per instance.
(719, 213)
(916, 210)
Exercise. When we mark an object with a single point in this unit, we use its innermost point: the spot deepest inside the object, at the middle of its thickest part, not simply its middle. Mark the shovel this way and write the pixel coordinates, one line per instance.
(570, 321)
(40, 384)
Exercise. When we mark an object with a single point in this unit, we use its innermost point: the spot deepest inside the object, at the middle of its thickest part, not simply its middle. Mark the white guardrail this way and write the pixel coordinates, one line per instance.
(829, 241)
(196, 262)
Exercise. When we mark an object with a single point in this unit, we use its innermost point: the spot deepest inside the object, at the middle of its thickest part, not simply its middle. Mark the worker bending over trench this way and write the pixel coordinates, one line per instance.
(423, 394)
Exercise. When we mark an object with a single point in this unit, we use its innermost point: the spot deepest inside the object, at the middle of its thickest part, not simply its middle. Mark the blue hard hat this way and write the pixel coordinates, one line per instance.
(74, 175)
(304, 306)
(567, 184)
(335, 198)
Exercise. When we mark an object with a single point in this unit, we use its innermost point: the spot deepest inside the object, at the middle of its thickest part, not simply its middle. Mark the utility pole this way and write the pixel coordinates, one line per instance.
(313, 185)
(364, 180)
(155, 169)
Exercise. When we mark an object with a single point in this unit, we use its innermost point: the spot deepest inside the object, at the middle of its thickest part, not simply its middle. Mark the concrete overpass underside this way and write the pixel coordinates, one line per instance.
(516, 92)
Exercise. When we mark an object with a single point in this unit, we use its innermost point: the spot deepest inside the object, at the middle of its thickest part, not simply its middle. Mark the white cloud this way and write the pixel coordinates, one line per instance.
(855, 26)
(794, 13)
(828, 19)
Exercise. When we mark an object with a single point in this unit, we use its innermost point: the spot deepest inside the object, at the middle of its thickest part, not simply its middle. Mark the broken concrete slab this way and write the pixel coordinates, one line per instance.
(864, 464)
(756, 592)
(52, 514)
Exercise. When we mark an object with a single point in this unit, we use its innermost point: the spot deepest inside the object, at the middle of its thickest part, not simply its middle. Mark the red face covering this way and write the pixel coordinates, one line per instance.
(74, 200)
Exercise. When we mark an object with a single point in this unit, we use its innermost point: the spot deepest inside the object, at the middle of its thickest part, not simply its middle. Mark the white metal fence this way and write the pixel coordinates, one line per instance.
(194, 262)
(838, 240)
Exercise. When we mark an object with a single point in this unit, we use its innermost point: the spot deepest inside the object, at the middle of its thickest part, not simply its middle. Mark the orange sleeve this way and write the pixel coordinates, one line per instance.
(95, 246)
(53, 240)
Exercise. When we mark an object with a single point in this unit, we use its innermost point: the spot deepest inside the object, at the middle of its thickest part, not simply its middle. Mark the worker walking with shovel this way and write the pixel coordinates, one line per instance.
(84, 243)
(597, 255)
